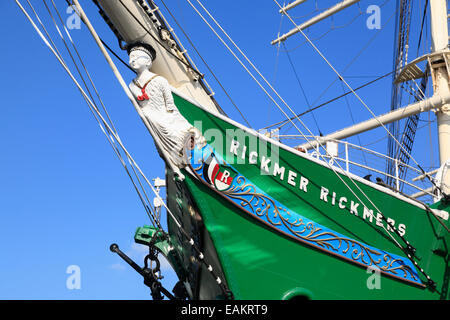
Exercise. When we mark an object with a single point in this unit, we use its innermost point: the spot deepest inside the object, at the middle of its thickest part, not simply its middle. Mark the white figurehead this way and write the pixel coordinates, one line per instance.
(154, 96)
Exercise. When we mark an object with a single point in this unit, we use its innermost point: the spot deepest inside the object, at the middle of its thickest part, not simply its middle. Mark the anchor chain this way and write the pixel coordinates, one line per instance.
(151, 278)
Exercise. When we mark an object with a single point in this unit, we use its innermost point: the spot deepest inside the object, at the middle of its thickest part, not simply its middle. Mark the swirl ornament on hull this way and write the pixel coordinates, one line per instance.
(223, 179)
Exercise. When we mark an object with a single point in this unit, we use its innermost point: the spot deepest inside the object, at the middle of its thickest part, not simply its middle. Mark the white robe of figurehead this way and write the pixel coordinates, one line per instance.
(154, 96)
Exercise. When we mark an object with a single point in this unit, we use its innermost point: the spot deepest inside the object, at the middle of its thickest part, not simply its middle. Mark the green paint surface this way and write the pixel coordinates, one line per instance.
(260, 263)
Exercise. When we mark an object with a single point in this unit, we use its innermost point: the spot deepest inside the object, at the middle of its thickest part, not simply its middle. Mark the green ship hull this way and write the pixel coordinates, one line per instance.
(257, 260)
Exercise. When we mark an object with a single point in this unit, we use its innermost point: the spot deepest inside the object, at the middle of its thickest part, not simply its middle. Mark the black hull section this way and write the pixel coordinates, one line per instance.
(190, 268)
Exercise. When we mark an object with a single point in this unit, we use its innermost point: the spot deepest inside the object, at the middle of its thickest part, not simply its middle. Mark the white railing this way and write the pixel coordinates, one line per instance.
(366, 163)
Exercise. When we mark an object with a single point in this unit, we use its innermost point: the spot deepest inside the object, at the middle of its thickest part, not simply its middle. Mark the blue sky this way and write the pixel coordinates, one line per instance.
(64, 197)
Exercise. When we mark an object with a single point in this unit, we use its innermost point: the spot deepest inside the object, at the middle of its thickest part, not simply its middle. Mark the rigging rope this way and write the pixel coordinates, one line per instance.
(167, 208)
(283, 122)
(301, 87)
(381, 124)
(281, 109)
(409, 250)
(353, 120)
(106, 45)
(221, 284)
(93, 108)
(187, 65)
(401, 46)
(333, 28)
(284, 102)
(239, 60)
(207, 66)
(146, 203)
(348, 66)
(92, 105)
(276, 61)
(355, 94)
(81, 61)
(421, 27)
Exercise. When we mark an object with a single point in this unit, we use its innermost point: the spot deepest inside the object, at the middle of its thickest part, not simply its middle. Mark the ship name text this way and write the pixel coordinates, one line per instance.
(270, 166)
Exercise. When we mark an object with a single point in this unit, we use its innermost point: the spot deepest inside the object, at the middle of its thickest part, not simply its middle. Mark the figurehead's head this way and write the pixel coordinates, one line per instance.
(141, 56)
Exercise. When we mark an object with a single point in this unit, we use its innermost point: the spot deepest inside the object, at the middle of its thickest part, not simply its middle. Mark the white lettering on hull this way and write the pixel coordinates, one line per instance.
(269, 166)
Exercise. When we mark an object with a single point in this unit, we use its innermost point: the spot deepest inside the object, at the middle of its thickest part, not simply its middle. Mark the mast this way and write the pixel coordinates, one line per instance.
(440, 73)
(401, 46)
